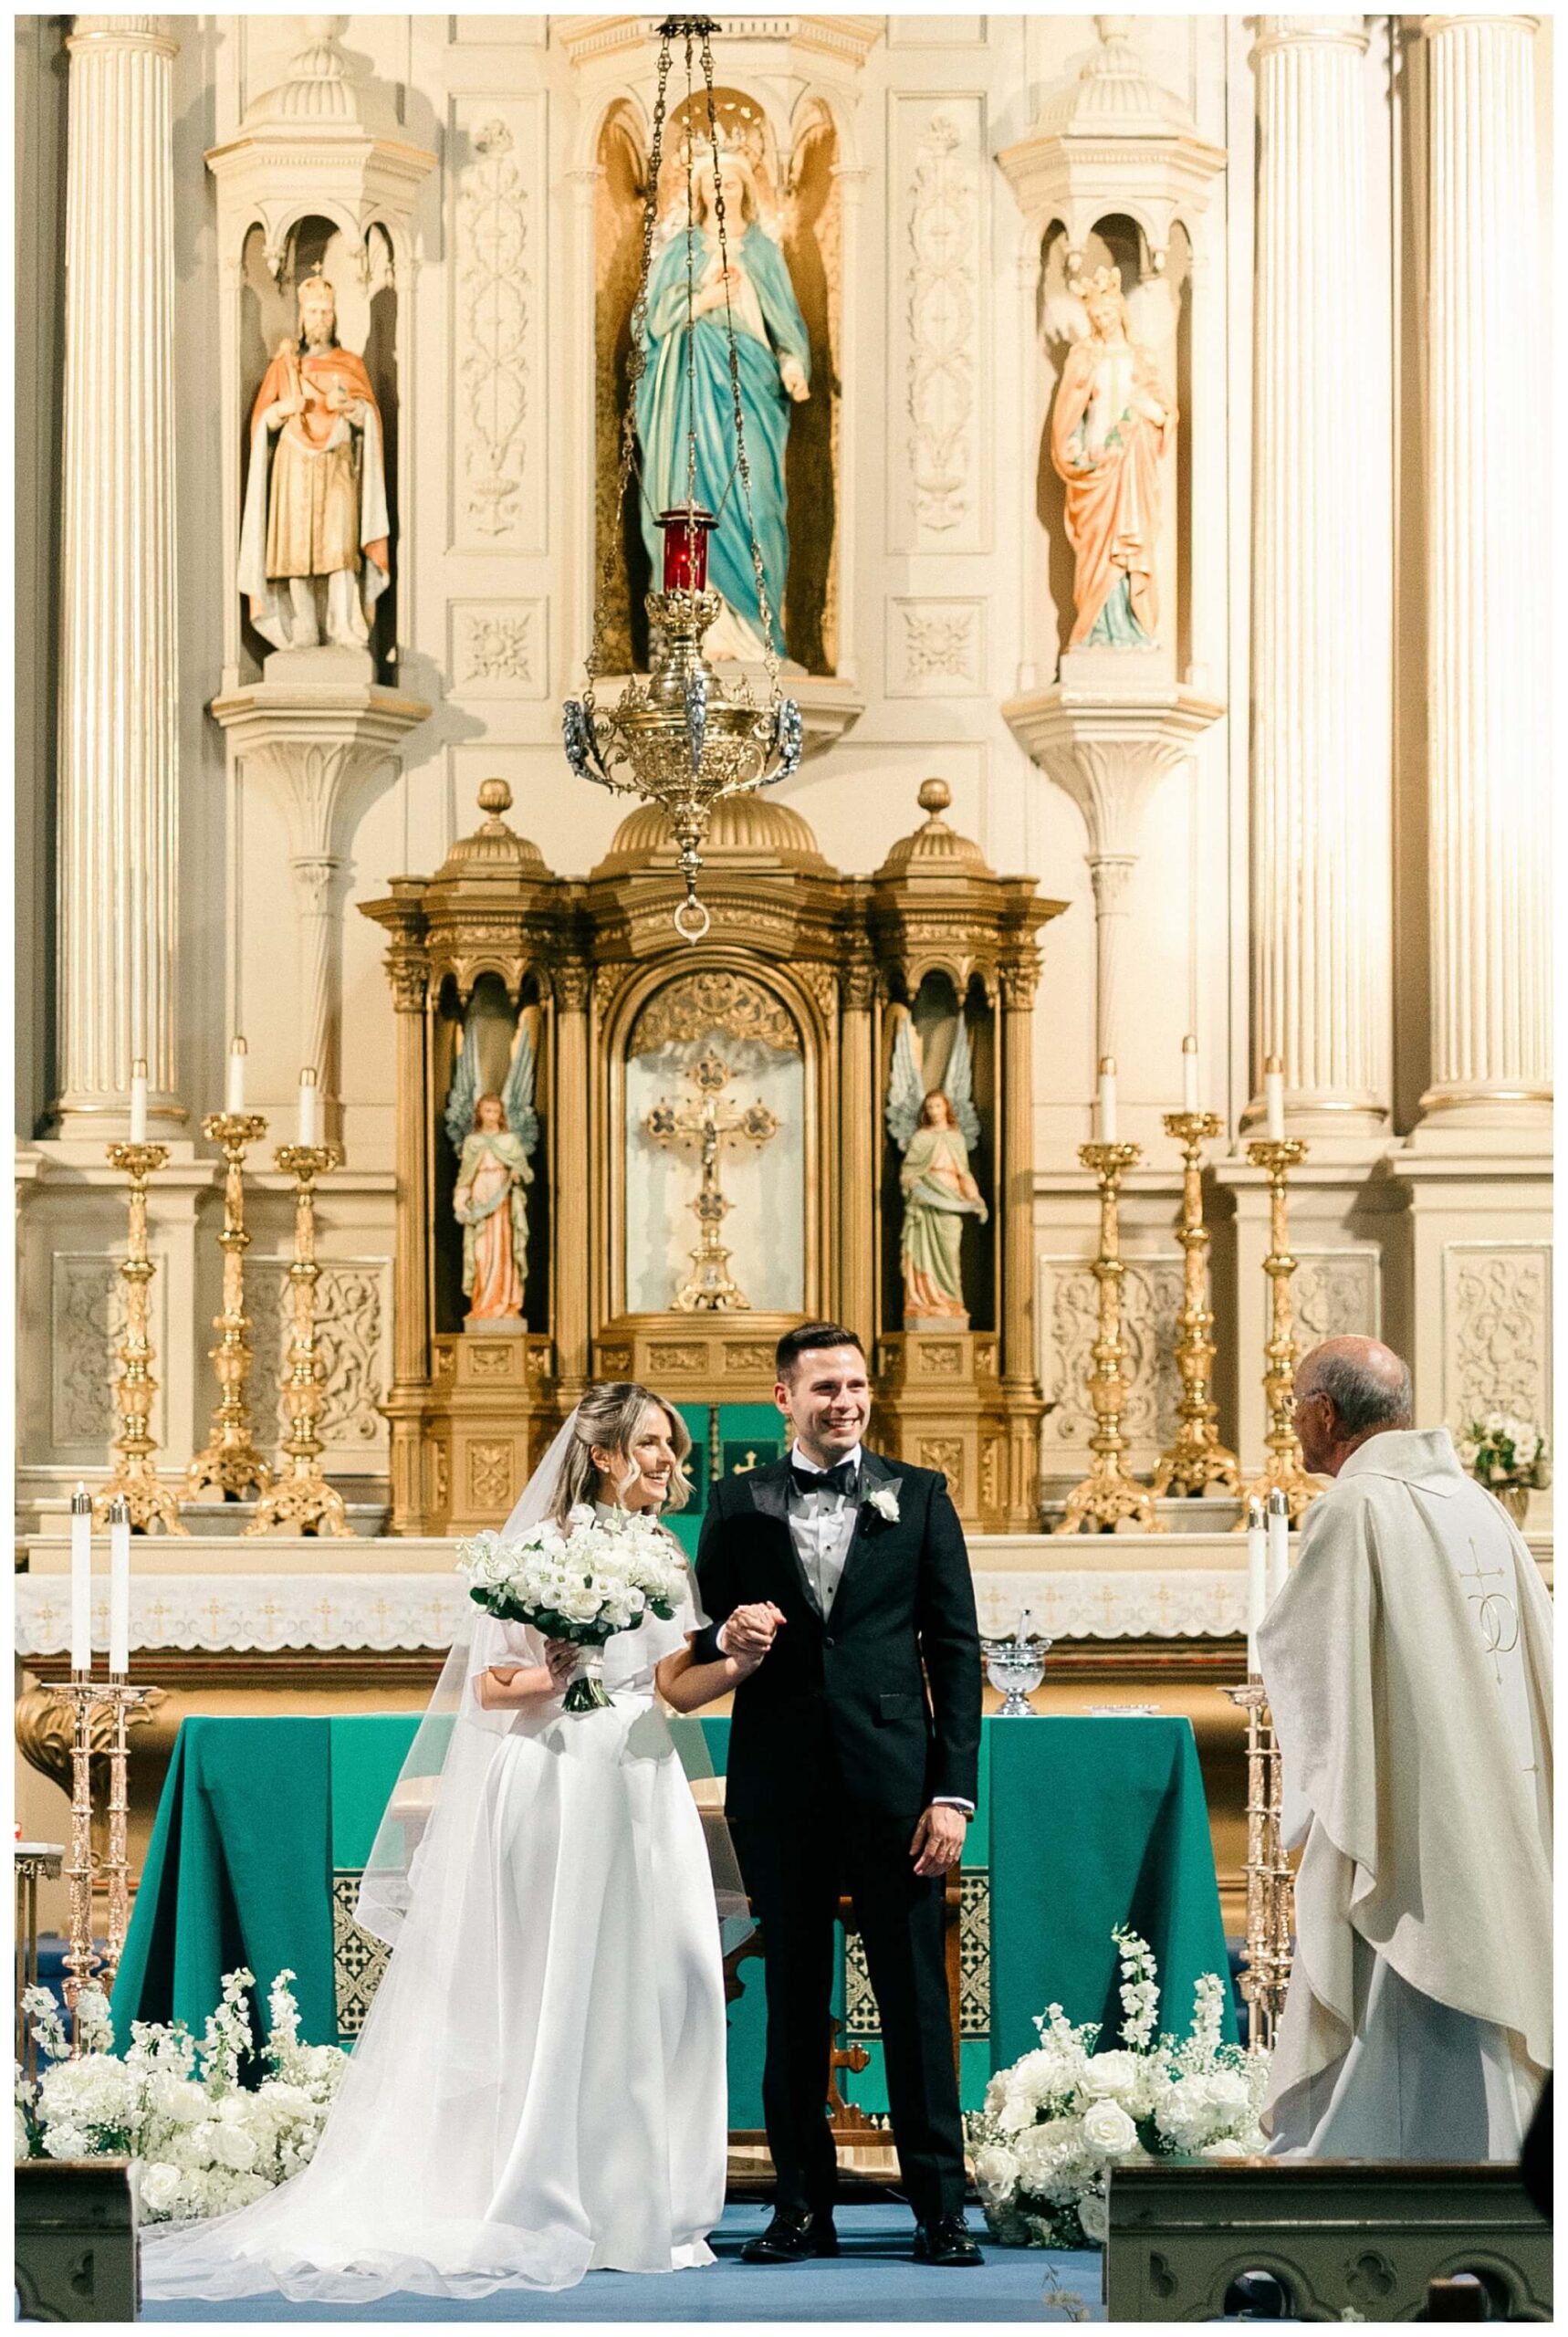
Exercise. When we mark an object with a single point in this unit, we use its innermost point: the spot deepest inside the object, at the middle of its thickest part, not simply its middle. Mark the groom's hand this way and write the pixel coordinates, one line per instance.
(748, 1631)
(938, 1841)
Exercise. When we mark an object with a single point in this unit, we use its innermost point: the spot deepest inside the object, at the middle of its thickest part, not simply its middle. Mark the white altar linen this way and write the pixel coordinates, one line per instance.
(1409, 1665)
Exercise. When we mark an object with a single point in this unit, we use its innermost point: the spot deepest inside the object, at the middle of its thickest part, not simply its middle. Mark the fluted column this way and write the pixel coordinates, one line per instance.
(1488, 535)
(119, 772)
(573, 983)
(1020, 978)
(857, 1294)
(1322, 854)
(408, 972)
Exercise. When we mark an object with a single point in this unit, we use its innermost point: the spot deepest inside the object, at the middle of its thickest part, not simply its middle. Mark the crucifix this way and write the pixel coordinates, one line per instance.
(709, 1123)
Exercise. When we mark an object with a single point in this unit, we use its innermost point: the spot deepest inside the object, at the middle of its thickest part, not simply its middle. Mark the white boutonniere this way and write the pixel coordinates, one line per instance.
(883, 1499)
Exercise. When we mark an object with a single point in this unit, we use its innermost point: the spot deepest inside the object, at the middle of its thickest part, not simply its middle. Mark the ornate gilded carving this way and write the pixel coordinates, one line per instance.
(572, 983)
(750, 1362)
(715, 999)
(490, 1476)
(945, 1454)
(45, 1724)
(675, 1356)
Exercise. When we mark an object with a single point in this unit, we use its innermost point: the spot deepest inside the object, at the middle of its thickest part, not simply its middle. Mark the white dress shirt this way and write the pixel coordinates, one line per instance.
(822, 1526)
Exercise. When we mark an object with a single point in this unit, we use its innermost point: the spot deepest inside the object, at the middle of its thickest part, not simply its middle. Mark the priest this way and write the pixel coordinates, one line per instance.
(1408, 1668)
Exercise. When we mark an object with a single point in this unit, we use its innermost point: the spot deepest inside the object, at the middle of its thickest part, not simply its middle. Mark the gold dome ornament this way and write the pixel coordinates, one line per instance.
(682, 738)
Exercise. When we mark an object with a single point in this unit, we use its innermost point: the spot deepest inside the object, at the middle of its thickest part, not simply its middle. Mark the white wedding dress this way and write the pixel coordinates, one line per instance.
(539, 2090)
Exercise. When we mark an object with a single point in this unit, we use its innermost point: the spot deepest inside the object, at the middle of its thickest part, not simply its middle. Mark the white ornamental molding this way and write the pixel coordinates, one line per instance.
(87, 1324)
(941, 290)
(1497, 1331)
(353, 1341)
(1188, 1604)
(499, 297)
(499, 648)
(1151, 1300)
(1336, 1294)
(325, 143)
(935, 648)
(1113, 140)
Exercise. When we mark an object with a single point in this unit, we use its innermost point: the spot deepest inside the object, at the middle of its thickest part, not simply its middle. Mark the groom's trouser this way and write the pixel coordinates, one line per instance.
(794, 1871)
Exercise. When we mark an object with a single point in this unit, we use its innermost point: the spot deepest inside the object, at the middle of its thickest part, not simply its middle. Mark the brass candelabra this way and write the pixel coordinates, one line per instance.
(1282, 1469)
(81, 1961)
(1195, 1462)
(1108, 1493)
(230, 1463)
(134, 1479)
(300, 1496)
(1267, 1969)
(122, 1696)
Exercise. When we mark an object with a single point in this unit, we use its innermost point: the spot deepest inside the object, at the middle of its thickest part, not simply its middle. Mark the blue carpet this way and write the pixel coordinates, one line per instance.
(873, 2280)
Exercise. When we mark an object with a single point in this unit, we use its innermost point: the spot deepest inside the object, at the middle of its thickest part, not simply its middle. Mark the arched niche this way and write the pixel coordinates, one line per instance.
(1156, 289)
(496, 1015)
(364, 283)
(800, 209)
(727, 1042)
(933, 1009)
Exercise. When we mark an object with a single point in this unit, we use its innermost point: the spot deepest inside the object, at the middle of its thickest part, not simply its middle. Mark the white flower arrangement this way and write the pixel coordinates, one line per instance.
(581, 1582)
(1502, 1452)
(202, 2142)
(1055, 2121)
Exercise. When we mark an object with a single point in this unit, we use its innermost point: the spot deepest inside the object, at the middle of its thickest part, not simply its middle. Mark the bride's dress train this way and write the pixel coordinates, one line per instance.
(539, 2090)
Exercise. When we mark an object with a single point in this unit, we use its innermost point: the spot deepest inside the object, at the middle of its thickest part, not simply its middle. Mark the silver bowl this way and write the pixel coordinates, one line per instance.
(1015, 1667)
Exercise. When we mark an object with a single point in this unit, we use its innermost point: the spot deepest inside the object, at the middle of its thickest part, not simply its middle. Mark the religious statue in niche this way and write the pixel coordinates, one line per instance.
(753, 296)
(1113, 422)
(493, 1136)
(934, 1130)
(315, 541)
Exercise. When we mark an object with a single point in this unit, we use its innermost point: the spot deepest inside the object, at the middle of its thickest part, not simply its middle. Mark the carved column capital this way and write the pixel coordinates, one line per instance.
(572, 983)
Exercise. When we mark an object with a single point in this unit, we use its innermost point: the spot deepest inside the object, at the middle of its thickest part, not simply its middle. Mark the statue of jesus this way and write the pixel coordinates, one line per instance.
(314, 552)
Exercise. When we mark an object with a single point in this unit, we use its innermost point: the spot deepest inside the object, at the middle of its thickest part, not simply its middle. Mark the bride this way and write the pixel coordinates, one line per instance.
(539, 2090)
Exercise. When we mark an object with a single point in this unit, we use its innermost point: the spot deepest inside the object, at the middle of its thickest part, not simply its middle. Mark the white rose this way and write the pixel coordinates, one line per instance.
(159, 2189)
(234, 2146)
(1185, 2116)
(1095, 2215)
(995, 2174)
(1108, 2130)
(1229, 2093)
(1016, 2113)
(1226, 2147)
(1112, 2076)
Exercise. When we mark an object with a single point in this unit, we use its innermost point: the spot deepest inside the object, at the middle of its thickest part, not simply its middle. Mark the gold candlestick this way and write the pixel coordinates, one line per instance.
(1282, 1469)
(231, 1462)
(121, 1695)
(1107, 1494)
(1196, 1461)
(135, 1480)
(301, 1497)
(83, 1694)
(1267, 1971)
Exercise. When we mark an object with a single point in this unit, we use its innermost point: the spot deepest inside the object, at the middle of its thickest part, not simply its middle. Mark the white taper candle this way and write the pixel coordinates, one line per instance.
(1107, 1100)
(233, 1082)
(1274, 1100)
(139, 1102)
(308, 1105)
(81, 1580)
(1279, 1543)
(119, 1587)
(1189, 1102)
(1256, 1580)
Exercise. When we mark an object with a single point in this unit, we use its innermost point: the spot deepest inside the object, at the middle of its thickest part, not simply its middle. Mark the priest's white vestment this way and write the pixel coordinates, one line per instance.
(1408, 1668)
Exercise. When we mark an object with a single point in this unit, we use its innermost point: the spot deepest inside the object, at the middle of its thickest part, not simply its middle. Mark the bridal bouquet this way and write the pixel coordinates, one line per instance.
(581, 1581)
(1057, 2121)
(173, 2103)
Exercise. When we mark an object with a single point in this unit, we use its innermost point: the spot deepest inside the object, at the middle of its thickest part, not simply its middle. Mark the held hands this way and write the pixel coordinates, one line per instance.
(749, 1633)
(938, 1841)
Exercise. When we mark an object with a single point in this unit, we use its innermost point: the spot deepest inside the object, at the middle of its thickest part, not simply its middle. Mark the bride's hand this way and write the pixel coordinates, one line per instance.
(561, 1656)
(749, 1632)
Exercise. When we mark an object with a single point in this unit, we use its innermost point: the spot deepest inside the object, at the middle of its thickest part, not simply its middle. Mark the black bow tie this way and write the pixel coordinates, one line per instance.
(841, 1479)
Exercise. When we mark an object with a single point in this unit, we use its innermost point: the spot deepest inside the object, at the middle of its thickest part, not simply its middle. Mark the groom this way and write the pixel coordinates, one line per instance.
(849, 1575)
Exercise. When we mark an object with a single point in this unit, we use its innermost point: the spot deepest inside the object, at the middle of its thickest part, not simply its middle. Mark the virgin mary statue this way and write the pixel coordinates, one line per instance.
(756, 299)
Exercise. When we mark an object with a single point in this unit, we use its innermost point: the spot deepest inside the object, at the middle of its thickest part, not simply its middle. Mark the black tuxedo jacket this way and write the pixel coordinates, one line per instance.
(883, 1696)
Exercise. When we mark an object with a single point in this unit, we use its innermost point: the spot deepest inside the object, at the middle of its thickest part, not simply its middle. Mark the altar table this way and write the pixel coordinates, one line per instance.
(1083, 1823)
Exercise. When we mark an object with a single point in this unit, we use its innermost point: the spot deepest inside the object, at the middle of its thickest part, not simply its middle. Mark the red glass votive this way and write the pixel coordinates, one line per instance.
(686, 548)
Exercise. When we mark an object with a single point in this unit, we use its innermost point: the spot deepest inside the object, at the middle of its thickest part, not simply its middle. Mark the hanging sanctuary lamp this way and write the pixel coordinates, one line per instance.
(683, 737)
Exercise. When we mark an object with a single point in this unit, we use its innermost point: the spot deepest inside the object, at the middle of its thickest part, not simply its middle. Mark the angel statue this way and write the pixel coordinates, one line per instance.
(493, 1137)
(934, 1132)
(1112, 421)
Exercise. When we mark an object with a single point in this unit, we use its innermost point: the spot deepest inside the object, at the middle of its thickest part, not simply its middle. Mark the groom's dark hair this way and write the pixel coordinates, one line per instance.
(804, 1337)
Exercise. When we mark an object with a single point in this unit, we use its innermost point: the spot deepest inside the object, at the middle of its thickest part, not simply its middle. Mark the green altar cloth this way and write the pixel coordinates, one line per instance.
(1082, 1824)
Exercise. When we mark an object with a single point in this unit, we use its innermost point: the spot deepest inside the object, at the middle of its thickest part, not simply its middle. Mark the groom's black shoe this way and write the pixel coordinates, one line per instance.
(794, 2235)
(946, 2241)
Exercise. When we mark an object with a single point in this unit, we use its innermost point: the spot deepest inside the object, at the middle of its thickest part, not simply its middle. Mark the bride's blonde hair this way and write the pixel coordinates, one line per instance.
(611, 1416)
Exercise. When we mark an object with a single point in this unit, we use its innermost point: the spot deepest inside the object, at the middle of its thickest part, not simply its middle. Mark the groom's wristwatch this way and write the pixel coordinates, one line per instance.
(953, 1801)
